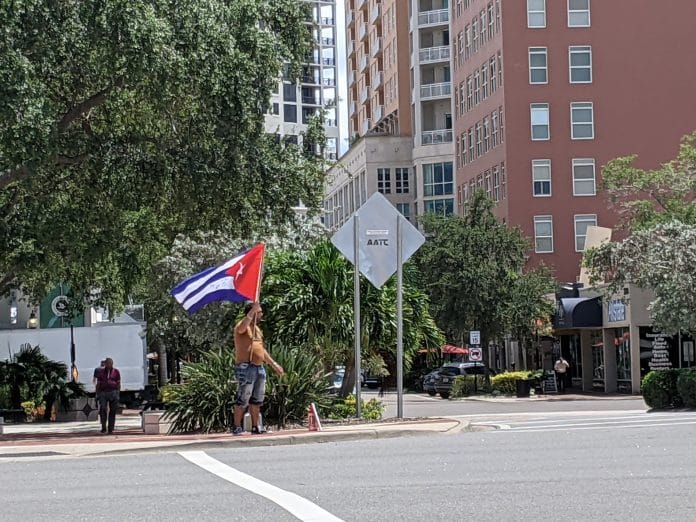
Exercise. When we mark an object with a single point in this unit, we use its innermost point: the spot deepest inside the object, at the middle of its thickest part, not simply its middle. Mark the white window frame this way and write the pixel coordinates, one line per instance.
(579, 49)
(535, 12)
(584, 162)
(591, 220)
(384, 180)
(538, 164)
(580, 11)
(581, 106)
(538, 220)
(538, 51)
(539, 107)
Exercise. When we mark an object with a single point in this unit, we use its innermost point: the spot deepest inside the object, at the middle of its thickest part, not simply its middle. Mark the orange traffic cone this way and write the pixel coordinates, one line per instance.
(313, 418)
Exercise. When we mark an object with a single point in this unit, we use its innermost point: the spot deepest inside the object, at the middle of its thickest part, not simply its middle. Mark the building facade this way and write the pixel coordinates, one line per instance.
(294, 103)
(400, 108)
(546, 92)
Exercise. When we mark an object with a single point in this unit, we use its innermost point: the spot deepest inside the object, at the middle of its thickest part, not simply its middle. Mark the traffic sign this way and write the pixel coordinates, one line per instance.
(475, 354)
(377, 239)
(475, 337)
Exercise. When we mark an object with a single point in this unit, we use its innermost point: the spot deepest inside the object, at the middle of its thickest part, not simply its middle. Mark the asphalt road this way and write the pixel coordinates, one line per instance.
(547, 466)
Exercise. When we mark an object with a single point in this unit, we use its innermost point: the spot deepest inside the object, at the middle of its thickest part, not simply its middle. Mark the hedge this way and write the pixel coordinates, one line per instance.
(659, 389)
(505, 382)
(686, 386)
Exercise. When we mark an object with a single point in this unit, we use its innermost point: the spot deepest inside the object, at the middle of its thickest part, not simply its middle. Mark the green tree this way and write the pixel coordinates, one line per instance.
(645, 198)
(472, 270)
(125, 123)
(659, 208)
(308, 300)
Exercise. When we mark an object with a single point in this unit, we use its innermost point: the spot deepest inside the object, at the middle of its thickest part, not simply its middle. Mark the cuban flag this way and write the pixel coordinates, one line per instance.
(236, 280)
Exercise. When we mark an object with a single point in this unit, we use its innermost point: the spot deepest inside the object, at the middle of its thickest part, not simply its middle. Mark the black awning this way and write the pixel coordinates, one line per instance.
(578, 312)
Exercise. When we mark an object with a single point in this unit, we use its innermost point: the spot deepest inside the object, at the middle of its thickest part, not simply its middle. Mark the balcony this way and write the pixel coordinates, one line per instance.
(378, 112)
(328, 82)
(364, 92)
(435, 137)
(311, 100)
(375, 13)
(362, 31)
(376, 46)
(328, 61)
(350, 47)
(437, 17)
(352, 77)
(327, 21)
(363, 63)
(435, 90)
(377, 80)
(353, 108)
(434, 54)
(350, 18)
(359, 4)
(365, 126)
(327, 41)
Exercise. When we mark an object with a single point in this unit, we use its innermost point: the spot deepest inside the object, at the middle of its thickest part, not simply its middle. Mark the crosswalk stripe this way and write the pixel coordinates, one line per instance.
(604, 426)
(300, 507)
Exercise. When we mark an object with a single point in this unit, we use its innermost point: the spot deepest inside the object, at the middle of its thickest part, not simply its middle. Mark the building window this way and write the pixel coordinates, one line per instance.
(484, 81)
(437, 179)
(289, 113)
(538, 72)
(439, 206)
(540, 121)
(582, 221)
(401, 177)
(496, 184)
(543, 234)
(581, 121)
(578, 13)
(486, 135)
(494, 128)
(584, 177)
(541, 177)
(580, 60)
(472, 152)
(384, 181)
(405, 209)
(479, 140)
(536, 13)
(489, 189)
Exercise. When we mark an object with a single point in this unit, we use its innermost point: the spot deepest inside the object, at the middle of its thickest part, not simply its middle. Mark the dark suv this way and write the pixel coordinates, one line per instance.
(447, 374)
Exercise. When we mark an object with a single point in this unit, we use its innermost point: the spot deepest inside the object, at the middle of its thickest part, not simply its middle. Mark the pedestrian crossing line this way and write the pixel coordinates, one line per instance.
(600, 427)
(599, 420)
(298, 506)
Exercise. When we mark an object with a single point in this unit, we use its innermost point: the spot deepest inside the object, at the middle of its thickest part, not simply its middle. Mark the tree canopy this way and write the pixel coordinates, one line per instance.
(125, 123)
(472, 269)
(659, 209)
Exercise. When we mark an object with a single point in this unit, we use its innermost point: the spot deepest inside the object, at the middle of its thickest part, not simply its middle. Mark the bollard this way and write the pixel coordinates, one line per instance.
(247, 422)
(2, 425)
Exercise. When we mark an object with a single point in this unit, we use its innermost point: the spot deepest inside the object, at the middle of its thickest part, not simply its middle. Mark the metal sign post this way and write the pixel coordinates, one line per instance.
(399, 323)
(356, 308)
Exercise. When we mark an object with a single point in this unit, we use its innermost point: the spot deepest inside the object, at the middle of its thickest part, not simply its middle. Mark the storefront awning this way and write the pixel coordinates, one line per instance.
(578, 312)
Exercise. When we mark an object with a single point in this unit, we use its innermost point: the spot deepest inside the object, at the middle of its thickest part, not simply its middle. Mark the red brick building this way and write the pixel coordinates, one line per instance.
(548, 91)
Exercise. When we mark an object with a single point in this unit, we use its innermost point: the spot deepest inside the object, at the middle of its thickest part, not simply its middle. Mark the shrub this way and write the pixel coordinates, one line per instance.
(505, 382)
(205, 399)
(686, 387)
(463, 385)
(659, 389)
(345, 409)
(288, 396)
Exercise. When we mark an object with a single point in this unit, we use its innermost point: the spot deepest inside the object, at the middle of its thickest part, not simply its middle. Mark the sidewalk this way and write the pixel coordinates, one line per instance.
(83, 438)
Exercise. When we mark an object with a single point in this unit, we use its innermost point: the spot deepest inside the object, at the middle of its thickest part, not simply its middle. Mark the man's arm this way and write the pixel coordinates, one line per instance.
(245, 323)
(269, 360)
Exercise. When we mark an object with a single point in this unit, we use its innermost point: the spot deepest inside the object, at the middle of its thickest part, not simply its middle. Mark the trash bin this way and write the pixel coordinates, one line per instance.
(524, 387)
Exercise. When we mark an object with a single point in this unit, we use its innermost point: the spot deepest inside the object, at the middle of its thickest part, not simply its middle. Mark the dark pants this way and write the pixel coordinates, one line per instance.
(108, 399)
(561, 380)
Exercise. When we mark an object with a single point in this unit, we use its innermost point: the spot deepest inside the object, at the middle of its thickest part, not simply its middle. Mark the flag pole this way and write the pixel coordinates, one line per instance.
(258, 283)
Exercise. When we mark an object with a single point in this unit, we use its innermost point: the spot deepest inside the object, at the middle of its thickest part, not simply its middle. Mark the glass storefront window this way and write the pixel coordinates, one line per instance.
(622, 341)
(597, 359)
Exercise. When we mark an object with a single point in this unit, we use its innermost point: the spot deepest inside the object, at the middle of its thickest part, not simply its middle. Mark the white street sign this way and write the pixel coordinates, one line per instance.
(474, 337)
(475, 354)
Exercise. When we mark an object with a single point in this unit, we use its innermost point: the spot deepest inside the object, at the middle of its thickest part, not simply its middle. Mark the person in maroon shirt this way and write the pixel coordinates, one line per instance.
(109, 386)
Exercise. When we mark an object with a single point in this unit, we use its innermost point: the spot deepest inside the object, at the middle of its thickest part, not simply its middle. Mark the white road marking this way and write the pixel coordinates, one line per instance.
(561, 428)
(300, 507)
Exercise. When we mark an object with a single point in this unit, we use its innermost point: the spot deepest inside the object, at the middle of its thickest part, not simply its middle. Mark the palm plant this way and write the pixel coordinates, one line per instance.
(308, 299)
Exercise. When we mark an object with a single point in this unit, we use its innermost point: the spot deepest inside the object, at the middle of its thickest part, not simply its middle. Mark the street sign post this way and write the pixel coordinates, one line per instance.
(378, 240)
(474, 337)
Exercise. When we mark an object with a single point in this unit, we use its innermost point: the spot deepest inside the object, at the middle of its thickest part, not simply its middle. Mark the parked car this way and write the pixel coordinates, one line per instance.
(429, 382)
(371, 381)
(447, 374)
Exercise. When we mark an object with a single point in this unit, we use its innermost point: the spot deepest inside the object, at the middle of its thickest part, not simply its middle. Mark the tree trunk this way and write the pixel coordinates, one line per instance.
(348, 381)
(162, 360)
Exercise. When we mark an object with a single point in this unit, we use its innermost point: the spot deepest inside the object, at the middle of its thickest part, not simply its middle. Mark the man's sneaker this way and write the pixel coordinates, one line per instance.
(237, 431)
(255, 430)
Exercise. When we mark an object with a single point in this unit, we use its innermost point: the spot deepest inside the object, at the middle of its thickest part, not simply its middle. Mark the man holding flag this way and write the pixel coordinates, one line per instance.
(237, 280)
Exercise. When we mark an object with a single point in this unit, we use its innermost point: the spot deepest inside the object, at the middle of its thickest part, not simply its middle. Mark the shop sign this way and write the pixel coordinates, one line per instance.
(616, 311)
